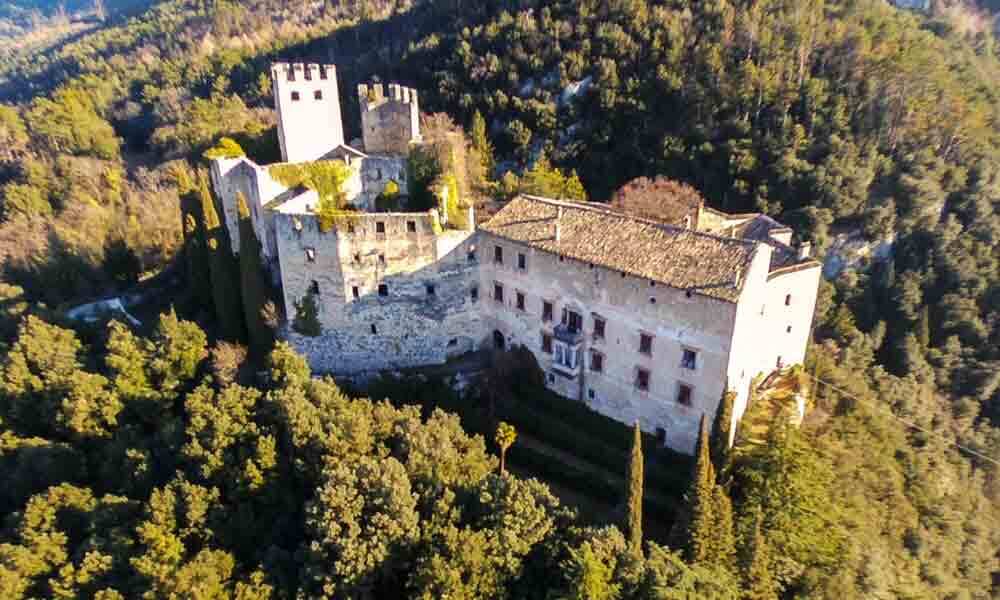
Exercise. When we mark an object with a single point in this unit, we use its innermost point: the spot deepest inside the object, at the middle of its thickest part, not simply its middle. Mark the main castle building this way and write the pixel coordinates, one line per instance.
(642, 320)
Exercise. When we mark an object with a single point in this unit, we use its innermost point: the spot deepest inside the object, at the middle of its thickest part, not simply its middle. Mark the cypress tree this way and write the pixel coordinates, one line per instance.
(253, 286)
(724, 542)
(924, 327)
(481, 143)
(700, 502)
(759, 584)
(635, 475)
(222, 268)
(721, 434)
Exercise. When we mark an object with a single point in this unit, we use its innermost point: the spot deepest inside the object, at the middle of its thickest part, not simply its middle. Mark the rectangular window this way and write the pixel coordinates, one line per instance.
(642, 380)
(431, 290)
(546, 310)
(295, 96)
(498, 255)
(474, 293)
(565, 355)
(788, 300)
(380, 227)
(383, 290)
(522, 261)
(572, 320)
(519, 299)
(318, 95)
(646, 344)
(311, 254)
(598, 328)
(498, 292)
(356, 292)
(471, 256)
(596, 362)
(411, 226)
(546, 343)
(689, 360)
(381, 259)
(684, 394)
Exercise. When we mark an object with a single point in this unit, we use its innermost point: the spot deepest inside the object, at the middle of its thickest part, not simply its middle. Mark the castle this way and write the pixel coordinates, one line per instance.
(643, 320)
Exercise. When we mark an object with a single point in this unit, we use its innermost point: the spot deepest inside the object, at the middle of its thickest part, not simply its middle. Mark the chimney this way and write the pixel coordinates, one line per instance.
(559, 211)
(805, 250)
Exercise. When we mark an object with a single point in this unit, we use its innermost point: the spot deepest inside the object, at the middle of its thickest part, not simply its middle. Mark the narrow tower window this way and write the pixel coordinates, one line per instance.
(295, 96)
(318, 95)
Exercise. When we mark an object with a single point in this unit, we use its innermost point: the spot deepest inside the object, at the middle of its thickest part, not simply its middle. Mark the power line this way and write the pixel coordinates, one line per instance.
(909, 424)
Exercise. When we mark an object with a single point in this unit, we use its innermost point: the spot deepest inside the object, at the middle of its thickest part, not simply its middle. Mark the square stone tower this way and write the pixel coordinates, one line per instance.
(308, 103)
(389, 123)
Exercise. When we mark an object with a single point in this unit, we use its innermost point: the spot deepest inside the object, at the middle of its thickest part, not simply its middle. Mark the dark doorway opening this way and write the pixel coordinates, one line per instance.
(498, 340)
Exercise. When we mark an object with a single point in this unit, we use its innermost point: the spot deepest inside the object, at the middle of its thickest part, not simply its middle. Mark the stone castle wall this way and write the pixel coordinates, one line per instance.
(389, 122)
(426, 314)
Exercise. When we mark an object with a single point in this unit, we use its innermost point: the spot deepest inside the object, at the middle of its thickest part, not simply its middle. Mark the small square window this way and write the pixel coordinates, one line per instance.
(642, 380)
(314, 287)
(411, 226)
(295, 96)
(684, 394)
(788, 329)
(381, 259)
(431, 290)
(645, 343)
(546, 310)
(356, 292)
(519, 299)
(311, 254)
(498, 255)
(522, 261)
(474, 293)
(788, 300)
(383, 290)
(598, 328)
(380, 227)
(591, 394)
(596, 362)
(546, 343)
(498, 292)
(318, 95)
(689, 359)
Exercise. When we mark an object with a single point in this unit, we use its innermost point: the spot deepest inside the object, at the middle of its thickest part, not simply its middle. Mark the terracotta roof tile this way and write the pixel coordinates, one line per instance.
(706, 264)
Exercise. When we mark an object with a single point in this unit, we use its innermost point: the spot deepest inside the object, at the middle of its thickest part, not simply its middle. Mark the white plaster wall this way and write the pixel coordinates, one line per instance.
(676, 321)
(767, 328)
(307, 128)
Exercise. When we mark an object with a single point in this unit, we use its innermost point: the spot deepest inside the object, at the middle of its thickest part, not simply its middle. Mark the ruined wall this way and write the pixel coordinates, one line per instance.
(231, 176)
(629, 306)
(414, 324)
(308, 105)
(389, 122)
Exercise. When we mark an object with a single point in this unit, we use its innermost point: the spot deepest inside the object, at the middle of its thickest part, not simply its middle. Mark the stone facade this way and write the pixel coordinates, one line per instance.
(390, 123)
(392, 291)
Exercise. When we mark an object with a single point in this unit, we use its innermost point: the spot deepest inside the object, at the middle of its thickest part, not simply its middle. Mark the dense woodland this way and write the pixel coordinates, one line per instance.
(149, 463)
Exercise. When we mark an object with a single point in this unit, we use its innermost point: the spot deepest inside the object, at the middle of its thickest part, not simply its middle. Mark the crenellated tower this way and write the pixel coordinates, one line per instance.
(389, 122)
(308, 104)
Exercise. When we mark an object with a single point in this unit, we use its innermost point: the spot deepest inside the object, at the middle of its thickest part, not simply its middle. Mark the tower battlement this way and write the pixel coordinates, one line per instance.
(390, 118)
(308, 104)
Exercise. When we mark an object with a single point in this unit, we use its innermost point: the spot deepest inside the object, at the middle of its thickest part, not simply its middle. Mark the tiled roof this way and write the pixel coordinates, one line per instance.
(706, 264)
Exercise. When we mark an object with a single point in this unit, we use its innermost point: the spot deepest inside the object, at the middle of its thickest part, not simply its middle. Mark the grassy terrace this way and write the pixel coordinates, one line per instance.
(580, 453)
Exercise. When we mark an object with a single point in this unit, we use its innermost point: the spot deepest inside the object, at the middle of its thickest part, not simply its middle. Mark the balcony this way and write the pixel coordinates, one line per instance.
(571, 336)
(566, 357)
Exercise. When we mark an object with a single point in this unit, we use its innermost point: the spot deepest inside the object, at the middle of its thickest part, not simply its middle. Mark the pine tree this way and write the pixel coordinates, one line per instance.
(222, 268)
(721, 434)
(759, 584)
(635, 476)
(700, 503)
(254, 287)
(482, 145)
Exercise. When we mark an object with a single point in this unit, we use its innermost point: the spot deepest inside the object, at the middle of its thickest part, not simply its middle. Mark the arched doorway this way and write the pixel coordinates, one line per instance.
(498, 340)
